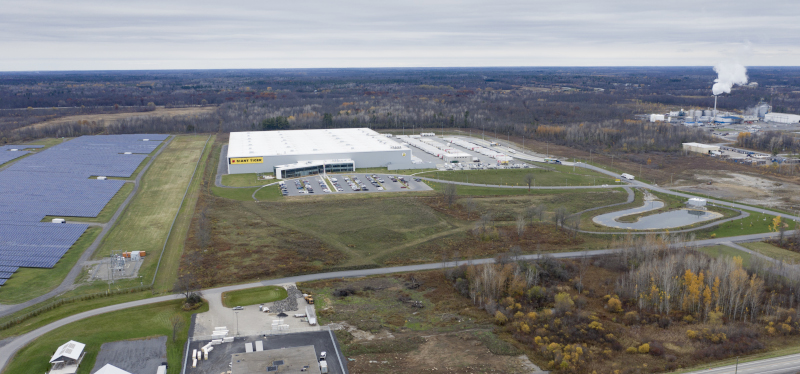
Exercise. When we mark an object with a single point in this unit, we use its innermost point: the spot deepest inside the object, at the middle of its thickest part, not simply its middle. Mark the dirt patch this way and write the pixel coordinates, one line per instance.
(449, 353)
(360, 335)
(110, 118)
(748, 189)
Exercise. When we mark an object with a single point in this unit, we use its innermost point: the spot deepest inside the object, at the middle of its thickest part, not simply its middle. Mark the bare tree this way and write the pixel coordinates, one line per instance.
(520, 224)
(450, 192)
(186, 284)
(529, 180)
(560, 216)
(470, 205)
(177, 323)
(539, 212)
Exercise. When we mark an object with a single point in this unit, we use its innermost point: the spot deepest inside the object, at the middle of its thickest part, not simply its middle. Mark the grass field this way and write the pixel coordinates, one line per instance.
(133, 323)
(516, 177)
(241, 194)
(28, 283)
(252, 296)
(754, 224)
(243, 180)
(168, 271)
(770, 250)
(725, 251)
(145, 223)
(64, 310)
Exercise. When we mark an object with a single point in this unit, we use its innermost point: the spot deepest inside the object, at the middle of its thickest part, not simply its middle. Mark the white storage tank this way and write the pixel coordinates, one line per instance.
(697, 202)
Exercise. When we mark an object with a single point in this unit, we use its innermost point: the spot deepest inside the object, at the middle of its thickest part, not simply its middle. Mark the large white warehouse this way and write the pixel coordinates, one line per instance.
(781, 117)
(295, 153)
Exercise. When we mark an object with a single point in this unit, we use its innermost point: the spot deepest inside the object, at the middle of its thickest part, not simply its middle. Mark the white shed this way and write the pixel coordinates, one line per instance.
(111, 369)
(67, 358)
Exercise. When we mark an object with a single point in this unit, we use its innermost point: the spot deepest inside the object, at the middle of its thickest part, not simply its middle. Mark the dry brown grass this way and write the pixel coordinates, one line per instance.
(109, 118)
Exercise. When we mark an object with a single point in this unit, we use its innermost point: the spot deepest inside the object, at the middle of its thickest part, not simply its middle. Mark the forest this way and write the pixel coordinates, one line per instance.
(654, 306)
(587, 108)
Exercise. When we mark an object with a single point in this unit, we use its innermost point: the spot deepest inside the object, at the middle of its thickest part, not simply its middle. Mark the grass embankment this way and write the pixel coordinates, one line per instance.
(244, 180)
(64, 310)
(725, 251)
(772, 251)
(168, 271)
(133, 323)
(756, 223)
(145, 223)
(517, 177)
(251, 296)
(28, 283)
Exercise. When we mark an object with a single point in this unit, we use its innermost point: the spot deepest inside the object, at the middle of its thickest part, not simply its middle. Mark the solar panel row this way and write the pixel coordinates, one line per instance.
(56, 182)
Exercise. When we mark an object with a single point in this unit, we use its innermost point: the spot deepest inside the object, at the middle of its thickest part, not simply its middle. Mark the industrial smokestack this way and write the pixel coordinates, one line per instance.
(728, 74)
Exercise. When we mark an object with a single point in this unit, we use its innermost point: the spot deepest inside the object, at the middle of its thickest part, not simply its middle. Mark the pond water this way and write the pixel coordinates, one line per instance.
(666, 220)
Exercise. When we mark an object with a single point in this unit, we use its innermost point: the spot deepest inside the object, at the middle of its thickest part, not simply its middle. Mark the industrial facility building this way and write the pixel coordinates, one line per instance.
(781, 118)
(296, 153)
(701, 148)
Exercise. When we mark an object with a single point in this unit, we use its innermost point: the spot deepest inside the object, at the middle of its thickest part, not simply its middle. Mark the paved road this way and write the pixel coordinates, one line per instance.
(69, 281)
(778, 365)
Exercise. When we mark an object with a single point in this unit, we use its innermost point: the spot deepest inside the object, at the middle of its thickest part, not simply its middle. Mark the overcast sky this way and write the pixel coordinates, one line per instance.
(200, 34)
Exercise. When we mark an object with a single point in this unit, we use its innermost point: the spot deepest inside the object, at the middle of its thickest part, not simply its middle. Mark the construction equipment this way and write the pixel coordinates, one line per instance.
(309, 299)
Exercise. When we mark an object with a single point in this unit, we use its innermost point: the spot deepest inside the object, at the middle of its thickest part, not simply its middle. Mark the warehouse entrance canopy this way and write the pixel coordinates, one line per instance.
(304, 168)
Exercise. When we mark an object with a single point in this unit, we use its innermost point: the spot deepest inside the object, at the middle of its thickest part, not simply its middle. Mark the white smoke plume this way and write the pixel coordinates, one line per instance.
(728, 74)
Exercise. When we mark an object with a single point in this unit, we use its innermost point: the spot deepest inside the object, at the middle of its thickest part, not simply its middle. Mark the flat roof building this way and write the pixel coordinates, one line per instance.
(300, 360)
(265, 151)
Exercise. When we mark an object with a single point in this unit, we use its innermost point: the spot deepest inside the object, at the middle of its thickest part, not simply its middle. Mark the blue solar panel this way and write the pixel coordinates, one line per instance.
(56, 182)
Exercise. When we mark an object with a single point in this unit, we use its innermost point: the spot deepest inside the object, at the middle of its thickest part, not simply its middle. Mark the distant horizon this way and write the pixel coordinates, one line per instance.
(710, 67)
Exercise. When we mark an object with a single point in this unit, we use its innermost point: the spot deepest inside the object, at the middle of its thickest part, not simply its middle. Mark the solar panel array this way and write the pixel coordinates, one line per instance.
(56, 182)
(6, 153)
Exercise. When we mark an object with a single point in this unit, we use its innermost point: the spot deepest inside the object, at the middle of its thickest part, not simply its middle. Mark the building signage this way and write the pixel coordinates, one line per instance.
(247, 160)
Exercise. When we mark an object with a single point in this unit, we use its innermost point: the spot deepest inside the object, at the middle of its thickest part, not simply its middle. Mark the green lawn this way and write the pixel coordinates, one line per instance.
(770, 250)
(50, 315)
(244, 180)
(756, 223)
(269, 193)
(241, 194)
(516, 177)
(725, 251)
(252, 296)
(133, 323)
(28, 283)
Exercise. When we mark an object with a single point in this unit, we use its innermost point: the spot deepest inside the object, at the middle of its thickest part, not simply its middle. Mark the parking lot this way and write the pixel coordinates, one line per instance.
(220, 358)
(331, 184)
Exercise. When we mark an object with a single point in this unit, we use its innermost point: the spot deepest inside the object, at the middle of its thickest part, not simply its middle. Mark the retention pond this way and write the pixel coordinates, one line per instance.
(666, 220)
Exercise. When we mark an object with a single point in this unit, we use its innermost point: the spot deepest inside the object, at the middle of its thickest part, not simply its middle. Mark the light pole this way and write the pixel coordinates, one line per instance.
(236, 312)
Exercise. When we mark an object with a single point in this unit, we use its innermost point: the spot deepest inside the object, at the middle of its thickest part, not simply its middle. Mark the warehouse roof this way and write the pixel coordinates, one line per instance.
(325, 141)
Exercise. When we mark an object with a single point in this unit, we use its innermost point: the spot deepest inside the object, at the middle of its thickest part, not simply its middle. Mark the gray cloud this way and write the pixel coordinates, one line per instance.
(89, 34)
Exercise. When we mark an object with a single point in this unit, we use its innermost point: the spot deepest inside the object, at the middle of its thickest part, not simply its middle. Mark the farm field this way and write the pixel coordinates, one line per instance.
(133, 323)
(109, 118)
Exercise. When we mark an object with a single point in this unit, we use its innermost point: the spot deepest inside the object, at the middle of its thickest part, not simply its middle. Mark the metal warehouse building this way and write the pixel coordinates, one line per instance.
(295, 153)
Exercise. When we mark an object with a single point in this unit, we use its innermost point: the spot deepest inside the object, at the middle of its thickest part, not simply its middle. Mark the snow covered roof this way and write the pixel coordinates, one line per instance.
(70, 349)
(110, 369)
(318, 141)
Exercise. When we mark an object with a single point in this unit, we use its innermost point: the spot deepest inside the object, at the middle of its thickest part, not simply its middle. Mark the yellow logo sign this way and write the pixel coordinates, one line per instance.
(247, 160)
(404, 155)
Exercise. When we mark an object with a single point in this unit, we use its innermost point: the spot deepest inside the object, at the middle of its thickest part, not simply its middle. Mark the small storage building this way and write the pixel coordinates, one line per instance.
(67, 358)
(696, 202)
